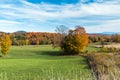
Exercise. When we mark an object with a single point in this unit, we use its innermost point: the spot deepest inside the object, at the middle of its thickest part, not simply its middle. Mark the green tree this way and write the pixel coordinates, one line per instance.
(75, 41)
(5, 44)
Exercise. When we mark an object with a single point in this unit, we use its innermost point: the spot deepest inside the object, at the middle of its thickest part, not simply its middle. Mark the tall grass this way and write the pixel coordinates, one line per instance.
(104, 66)
(48, 75)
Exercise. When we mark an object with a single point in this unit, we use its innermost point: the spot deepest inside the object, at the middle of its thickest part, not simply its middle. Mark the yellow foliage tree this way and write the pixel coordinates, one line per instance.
(75, 41)
(5, 44)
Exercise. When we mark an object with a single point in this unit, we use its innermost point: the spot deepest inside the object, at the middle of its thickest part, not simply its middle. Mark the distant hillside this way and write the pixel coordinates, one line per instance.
(110, 33)
(105, 33)
(20, 32)
(2, 32)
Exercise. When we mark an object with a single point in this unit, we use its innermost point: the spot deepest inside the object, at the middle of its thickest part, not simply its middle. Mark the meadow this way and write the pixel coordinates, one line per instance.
(43, 63)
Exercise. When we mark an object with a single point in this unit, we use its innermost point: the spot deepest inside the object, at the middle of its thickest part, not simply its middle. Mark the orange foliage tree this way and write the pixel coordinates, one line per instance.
(5, 44)
(75, 41)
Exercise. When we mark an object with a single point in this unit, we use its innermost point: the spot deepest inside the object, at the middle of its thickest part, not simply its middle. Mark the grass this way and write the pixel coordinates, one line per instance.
(92, 49)
(42, 63)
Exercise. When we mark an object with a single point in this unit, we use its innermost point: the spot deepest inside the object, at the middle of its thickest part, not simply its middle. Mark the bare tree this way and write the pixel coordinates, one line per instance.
(62, 31)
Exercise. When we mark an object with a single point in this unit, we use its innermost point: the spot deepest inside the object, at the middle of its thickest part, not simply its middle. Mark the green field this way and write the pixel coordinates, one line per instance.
(42, 63)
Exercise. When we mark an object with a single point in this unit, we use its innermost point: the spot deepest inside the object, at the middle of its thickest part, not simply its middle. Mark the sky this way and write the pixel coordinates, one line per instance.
(95, 16)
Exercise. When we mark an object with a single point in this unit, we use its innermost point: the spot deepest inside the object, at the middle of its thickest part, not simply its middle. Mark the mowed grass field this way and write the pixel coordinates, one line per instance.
(42, 63)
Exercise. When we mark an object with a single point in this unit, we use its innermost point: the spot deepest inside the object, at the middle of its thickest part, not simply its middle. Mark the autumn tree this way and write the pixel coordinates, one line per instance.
(5, 44)
(116, 38)
(75, 41)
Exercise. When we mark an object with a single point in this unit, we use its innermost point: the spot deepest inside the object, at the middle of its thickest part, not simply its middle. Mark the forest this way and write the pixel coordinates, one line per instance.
(45, 38)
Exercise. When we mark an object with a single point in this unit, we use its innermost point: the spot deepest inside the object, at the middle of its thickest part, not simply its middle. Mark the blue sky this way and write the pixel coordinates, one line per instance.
(44, 15)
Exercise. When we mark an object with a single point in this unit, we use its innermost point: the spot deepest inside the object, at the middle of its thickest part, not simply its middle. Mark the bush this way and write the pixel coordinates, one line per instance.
(104, 49)
(110, 49)
(75, 41)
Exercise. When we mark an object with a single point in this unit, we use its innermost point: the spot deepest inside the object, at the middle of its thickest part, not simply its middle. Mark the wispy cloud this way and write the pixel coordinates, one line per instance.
(96, 16)
(8, 22)
(107, 26)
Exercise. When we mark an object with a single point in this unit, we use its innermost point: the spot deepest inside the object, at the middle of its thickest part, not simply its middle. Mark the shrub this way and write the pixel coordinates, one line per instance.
(75, 41)
(105, 49)
(110, 49)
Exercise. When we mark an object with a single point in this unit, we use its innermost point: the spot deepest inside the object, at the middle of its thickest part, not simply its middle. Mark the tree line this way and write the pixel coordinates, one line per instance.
(44, 38)
(32, 38)
(104, 38)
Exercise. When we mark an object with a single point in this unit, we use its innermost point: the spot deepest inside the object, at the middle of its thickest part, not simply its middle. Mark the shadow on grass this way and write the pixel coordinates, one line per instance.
(84, 62)
(1, 56)
(50, 53)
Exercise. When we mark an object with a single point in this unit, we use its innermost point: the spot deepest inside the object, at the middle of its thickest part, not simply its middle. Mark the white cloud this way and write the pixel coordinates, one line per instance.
(108, 26)
(8, 22)
(34, 14)
(63, 11)
(8, 26)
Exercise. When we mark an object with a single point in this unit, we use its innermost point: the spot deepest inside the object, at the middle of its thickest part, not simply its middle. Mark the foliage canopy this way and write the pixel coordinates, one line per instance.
(5, 44)
(75, 41)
